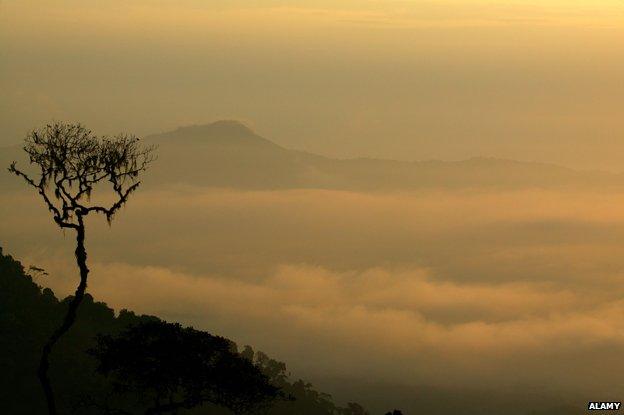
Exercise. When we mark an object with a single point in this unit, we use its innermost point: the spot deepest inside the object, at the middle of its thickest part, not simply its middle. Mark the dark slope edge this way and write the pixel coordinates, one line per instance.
(229, 154)
(29, 313)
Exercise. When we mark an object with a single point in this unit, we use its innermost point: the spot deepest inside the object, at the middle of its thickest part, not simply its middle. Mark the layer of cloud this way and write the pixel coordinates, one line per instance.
(466, 288)
(386, 324)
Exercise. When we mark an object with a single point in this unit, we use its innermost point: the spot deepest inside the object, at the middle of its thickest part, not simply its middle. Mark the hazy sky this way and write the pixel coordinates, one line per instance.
(532, 80)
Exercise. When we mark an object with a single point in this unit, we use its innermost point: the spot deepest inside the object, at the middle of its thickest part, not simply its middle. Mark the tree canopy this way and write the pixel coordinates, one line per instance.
(87, 385)
(71, 161)
(172, 367)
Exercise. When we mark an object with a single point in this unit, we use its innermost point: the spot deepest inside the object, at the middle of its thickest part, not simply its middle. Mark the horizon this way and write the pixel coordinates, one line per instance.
(152, 135)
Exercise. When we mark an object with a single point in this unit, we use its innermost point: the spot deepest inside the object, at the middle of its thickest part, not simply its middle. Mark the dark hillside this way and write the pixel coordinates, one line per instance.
(28, 313)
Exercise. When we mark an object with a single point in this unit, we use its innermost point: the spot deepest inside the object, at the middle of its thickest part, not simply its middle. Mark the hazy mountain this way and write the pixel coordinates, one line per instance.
(229, 154)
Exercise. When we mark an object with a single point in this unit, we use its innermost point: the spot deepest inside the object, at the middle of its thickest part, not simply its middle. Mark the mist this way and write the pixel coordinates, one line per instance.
(479, 289)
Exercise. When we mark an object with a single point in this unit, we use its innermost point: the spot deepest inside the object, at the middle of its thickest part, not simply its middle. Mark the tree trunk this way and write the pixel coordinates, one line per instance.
(68, 321)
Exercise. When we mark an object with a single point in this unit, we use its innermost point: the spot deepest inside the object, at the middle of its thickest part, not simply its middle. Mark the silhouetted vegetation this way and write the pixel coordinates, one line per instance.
(70, 163)
(171, 367)
(130, 364)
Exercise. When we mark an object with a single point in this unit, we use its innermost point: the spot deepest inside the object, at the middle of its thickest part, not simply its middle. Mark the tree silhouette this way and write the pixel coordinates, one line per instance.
(173, 368)
(71, 162)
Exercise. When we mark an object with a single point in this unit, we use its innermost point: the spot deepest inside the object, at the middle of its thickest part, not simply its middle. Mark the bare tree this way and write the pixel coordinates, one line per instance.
(71, 162)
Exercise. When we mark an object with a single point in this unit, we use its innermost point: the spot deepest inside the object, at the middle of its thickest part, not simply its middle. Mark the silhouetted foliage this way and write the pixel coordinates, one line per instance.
(395, 412)
(71, 162)
(28, 313)
(171, 367)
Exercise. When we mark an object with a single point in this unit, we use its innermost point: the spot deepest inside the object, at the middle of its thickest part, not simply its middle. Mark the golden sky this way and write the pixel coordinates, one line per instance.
(532, 80)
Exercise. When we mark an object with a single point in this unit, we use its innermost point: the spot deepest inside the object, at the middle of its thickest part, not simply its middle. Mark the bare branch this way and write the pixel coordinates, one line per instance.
(72, 161)
(59, 218)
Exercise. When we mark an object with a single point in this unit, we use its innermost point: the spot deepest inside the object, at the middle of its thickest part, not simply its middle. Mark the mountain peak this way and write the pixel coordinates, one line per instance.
(223, 132)
(223, 127)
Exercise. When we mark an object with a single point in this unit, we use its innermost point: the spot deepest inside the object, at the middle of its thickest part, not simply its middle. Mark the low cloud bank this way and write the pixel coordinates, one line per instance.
(470, 289)
(388, 324)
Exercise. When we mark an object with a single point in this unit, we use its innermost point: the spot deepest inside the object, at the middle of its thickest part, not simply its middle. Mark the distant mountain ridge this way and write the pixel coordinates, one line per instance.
(229, 154)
